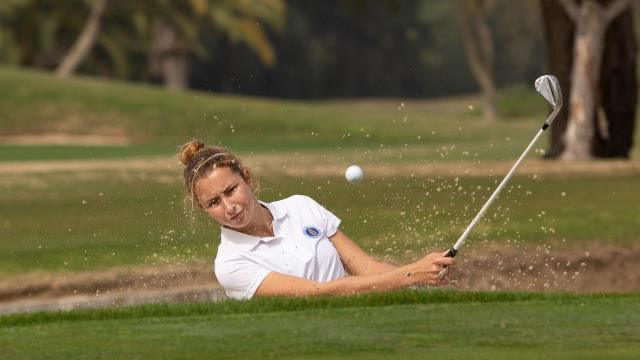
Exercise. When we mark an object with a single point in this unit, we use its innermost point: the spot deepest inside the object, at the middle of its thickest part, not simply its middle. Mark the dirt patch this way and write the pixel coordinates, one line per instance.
(65, 139)
(43, 167)
(589, 267)
(321, 165)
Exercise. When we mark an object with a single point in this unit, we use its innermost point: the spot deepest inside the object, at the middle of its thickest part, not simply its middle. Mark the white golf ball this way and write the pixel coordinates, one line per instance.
(354, 174)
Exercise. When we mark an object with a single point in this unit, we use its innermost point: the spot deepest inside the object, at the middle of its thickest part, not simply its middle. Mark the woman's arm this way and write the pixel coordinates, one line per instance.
(422, 272)
(355, 260)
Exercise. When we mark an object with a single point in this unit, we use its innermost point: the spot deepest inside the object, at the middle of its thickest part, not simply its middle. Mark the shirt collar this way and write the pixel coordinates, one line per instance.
(248, 242)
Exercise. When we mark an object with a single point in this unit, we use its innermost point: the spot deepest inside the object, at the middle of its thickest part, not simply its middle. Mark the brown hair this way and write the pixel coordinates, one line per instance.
(199, 161)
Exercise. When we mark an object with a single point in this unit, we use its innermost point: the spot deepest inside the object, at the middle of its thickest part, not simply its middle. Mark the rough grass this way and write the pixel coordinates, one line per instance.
(96, 220)
(408, 324)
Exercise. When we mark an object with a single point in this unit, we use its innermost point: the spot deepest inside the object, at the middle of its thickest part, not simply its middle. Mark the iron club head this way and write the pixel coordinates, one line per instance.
(549, 87)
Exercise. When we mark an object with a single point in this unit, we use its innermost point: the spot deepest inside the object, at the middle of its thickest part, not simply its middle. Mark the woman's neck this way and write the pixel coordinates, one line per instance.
(262, 224)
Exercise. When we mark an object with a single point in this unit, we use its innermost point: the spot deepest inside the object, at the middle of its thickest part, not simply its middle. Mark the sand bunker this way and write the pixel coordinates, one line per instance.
(592, 267)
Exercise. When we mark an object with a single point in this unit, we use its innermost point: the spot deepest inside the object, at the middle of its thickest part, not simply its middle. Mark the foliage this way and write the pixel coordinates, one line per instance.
(413, 49)
(38, 32)
(305, 49)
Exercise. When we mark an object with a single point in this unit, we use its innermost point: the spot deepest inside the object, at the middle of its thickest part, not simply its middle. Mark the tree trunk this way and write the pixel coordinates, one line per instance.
(169, 57)
(84, 42)
(618, 90)
(478, 46)
(587, 115)
(559, 31)
(585, 78)
(175, 72)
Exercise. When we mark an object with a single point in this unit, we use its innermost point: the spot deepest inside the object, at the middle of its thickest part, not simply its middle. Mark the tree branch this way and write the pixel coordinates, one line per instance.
(570, 8)
(614, 9)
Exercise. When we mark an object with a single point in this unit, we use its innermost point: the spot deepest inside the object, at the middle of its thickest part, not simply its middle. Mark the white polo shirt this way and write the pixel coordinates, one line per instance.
(300, 247)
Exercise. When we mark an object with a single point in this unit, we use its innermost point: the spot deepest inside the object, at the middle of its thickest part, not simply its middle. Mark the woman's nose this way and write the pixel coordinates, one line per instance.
(228, 206)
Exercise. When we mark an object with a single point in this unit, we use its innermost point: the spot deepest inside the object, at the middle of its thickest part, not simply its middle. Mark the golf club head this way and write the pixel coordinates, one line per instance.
(549, 87)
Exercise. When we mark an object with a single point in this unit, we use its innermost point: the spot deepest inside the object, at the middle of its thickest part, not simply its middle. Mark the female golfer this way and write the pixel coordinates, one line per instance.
(290, 247)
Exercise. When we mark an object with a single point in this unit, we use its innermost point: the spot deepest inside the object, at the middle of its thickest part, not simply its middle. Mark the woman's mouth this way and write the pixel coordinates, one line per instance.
(237, 216)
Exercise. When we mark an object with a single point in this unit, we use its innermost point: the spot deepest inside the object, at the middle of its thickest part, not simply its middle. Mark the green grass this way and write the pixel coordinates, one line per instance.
(35, 103)
(156, 121)
(66, 222)
(408, 324)
(80, 152)
(98, 219)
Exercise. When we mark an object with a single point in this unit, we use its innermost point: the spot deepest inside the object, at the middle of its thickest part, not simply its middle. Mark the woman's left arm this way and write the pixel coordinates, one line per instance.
(355, 260)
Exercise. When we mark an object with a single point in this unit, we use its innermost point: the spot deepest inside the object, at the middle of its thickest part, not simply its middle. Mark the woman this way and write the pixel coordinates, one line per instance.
(290, 247)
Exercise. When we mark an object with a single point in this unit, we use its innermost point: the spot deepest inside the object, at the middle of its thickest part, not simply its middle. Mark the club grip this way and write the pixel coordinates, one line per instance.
(451, 253)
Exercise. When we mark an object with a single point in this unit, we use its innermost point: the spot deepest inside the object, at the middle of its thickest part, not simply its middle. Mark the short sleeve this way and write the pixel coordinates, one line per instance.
(240, 277)
(329, 220)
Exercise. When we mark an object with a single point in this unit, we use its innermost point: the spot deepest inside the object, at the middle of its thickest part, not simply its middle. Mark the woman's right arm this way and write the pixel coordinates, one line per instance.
(422, 272)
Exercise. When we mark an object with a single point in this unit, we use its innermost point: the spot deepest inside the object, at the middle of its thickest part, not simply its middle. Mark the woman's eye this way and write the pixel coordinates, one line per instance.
(213, 203)
(231, 190)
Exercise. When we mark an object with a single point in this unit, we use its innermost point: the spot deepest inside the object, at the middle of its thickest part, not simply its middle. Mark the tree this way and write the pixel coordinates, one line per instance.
(85, 41)
(585, 106)
(36, 32)
(479, 48)
(559, 31)
(176, 27)
(43, 33)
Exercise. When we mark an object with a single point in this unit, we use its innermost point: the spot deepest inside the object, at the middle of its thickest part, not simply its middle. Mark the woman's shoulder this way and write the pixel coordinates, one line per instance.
(228, 254)
(295, 200)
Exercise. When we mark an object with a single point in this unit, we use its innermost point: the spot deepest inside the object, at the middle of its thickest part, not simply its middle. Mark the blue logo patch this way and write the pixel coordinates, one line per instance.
(312, 231)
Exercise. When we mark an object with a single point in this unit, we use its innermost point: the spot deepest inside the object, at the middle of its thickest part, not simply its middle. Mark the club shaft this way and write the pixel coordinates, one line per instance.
(486, 206)
(548, 86)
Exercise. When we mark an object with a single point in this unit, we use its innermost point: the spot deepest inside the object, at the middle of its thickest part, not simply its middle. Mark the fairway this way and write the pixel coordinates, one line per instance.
(101, 226)
(413, 325)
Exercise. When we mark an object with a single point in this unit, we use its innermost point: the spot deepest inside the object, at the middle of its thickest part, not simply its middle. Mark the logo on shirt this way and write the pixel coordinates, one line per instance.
(312, 231)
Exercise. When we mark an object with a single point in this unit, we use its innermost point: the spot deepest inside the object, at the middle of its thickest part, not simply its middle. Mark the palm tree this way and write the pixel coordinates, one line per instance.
(175, 31)
(41, 32)
(85, 41)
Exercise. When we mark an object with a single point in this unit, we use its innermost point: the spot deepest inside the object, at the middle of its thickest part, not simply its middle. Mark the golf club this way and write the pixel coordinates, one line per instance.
(549, 88)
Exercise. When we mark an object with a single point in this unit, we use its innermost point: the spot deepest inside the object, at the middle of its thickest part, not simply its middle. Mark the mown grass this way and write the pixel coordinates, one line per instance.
(36, 103)
(408, 324)
(70, 222)
(156, 121)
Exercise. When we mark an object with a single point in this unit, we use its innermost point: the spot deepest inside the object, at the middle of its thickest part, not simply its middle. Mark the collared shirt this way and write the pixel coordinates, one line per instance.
(300, 247)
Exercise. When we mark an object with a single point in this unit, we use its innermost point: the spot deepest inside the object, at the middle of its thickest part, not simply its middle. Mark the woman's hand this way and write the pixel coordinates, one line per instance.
(427, 271)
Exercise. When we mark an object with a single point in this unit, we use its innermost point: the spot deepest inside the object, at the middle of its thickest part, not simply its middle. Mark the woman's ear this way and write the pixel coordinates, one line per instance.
(246, 175)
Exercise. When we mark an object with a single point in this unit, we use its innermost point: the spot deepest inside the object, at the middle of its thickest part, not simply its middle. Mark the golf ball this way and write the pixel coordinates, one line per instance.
(354, 174)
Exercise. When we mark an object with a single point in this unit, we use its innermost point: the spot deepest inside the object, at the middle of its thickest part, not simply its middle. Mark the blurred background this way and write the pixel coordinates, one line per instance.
(433, 98)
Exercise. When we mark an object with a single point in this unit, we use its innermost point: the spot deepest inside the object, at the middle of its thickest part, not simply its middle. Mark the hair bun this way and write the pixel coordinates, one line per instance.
(189, 150)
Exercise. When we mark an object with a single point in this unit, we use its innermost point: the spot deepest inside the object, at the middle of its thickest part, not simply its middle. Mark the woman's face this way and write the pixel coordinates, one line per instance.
(227, 197)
